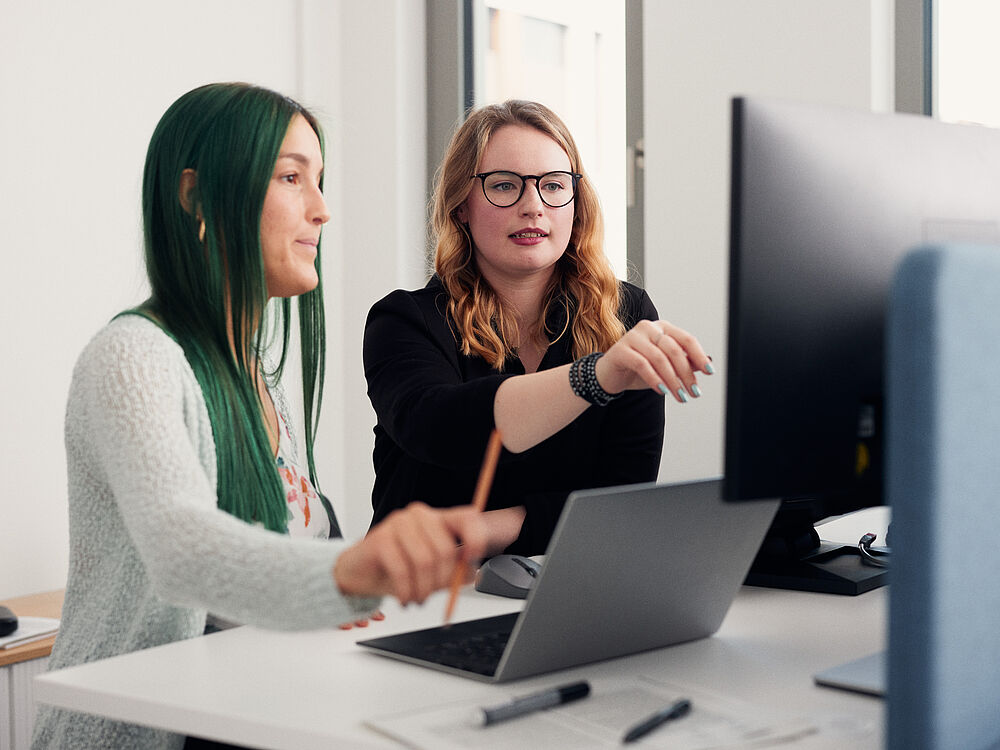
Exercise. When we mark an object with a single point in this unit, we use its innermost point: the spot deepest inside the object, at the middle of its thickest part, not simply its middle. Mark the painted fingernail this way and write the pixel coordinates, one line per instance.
(682, 395)
(696, 391)
(709, 370)
(663, 388)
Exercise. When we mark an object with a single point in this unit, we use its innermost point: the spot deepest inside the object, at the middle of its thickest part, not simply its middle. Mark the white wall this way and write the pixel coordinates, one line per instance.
(375, 242)
(697, 55)
(82, 86)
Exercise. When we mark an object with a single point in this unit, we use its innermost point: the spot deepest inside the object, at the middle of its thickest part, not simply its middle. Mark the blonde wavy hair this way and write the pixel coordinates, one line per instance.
(583, 282)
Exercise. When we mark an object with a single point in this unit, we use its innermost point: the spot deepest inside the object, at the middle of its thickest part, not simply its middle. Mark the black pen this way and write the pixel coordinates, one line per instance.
(677, 710)
(534, 702)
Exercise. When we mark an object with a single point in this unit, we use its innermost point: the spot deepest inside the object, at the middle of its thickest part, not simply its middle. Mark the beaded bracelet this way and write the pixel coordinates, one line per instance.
(583, 381)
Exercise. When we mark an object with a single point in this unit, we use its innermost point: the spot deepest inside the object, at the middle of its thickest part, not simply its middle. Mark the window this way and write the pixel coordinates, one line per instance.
(966, 61)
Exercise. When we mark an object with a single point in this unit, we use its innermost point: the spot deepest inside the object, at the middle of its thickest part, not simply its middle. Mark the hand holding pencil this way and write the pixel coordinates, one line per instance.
(414, 551)
(479, 497)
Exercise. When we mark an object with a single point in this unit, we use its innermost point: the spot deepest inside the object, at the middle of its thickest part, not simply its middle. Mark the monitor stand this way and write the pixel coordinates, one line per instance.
(866, 675)
(796, 559)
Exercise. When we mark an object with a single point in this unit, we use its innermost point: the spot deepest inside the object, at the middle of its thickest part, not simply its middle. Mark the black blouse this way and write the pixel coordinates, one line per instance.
(435, 413)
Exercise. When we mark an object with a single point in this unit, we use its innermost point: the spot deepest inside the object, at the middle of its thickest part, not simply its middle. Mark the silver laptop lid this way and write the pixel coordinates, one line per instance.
(634, 568)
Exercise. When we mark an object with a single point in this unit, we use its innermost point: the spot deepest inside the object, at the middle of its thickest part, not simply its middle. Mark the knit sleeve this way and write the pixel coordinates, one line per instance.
(140, 400)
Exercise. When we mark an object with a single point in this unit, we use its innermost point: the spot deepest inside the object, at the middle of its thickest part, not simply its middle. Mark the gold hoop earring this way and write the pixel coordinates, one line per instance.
(201, 230)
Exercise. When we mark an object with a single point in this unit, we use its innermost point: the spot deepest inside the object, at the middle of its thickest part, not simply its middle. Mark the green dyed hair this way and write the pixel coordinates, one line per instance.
(230, 135)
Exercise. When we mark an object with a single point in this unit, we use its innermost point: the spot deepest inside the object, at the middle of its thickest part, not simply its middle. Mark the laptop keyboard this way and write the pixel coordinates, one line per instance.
(473, 646)
(478, 653)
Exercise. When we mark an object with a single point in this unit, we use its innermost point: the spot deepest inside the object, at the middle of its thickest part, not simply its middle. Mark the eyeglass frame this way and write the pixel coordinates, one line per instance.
(576, 176)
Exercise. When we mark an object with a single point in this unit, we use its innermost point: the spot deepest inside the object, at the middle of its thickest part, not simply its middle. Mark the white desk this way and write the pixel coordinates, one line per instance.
(314, 689)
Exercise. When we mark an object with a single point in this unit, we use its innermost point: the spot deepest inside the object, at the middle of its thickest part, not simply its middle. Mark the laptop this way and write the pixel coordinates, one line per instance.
(628, 569)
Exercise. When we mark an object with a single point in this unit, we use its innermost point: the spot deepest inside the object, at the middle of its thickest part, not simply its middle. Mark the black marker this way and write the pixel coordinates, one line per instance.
(535, 702)
(644, 727)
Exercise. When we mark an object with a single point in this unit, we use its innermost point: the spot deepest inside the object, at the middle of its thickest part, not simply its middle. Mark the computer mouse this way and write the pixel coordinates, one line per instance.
(507, 575)
(8, 621)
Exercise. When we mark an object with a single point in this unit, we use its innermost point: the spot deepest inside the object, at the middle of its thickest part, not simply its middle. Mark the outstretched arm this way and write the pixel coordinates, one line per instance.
(653, 354)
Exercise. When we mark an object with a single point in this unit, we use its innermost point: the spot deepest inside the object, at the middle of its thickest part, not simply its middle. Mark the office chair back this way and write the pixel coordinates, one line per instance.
(943, 483)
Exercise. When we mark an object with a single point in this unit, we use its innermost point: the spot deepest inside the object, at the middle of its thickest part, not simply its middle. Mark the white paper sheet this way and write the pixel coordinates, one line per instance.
(30, 629)
(599, 721)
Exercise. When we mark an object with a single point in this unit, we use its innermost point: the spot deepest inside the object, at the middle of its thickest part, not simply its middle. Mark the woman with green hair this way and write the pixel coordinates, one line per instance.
(188, 504)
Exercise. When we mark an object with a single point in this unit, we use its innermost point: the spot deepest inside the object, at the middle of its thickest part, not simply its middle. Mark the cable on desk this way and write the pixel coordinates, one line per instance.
(870, 556)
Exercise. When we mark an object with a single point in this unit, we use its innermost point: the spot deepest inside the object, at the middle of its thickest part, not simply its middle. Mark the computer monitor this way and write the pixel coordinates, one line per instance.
(824, 203)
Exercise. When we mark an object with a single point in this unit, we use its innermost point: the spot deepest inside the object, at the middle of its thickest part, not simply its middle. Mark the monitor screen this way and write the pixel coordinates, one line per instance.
(825, 201)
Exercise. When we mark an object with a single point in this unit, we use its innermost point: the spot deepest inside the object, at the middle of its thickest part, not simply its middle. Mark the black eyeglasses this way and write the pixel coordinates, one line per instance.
(504, 189)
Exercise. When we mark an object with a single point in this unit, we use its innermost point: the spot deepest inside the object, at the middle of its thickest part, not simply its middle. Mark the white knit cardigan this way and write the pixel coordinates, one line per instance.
(150, 552)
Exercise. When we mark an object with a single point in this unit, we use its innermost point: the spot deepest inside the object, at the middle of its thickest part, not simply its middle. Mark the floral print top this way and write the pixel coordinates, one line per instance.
(307, 514)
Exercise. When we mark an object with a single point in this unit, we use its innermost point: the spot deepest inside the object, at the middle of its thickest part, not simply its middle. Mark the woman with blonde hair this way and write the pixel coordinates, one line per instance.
(523, 327)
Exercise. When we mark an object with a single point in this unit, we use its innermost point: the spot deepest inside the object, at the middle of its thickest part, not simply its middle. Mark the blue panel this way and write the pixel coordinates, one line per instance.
(943, 483)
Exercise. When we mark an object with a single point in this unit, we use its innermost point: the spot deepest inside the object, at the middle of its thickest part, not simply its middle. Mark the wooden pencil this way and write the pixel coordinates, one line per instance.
(479, 497)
